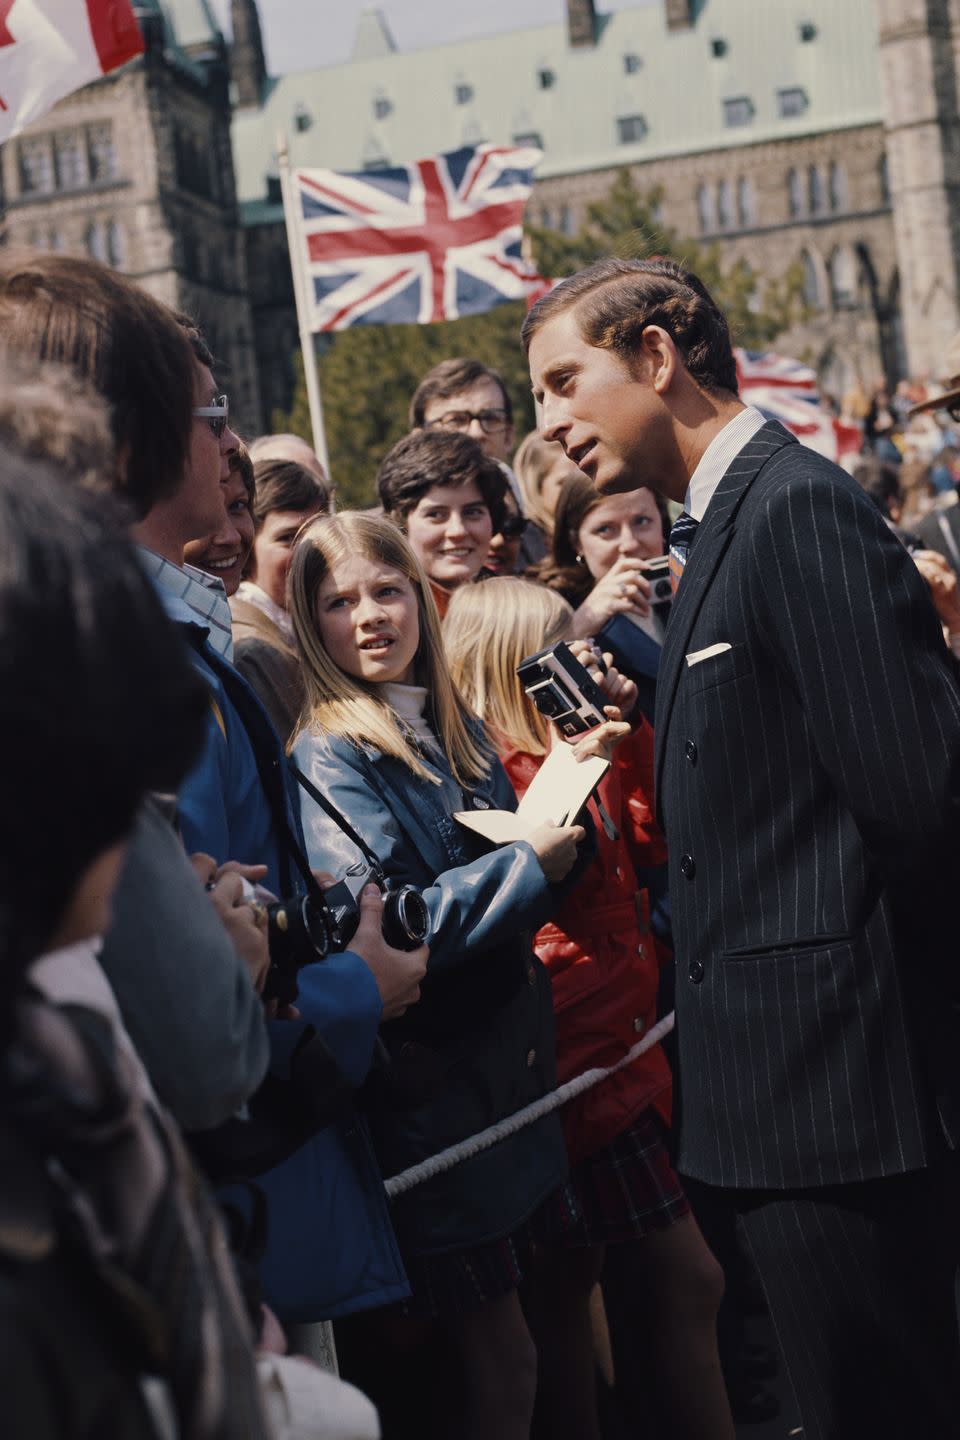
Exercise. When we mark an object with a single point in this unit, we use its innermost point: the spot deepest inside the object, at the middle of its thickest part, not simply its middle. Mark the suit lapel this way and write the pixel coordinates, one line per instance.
(714, 535)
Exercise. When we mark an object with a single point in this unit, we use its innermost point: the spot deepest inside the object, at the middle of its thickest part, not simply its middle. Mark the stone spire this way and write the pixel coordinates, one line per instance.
(581, 22)
(248, 67)
(918, 61)
(680, 14)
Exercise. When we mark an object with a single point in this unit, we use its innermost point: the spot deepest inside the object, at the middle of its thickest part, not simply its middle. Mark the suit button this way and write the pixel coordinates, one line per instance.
(688, 867)
(690, 750)
(531, 1057)
(638, 1025)
(696, 971)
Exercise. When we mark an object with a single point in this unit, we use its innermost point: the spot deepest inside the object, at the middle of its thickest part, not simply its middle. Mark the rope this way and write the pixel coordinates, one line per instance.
(474, 1144)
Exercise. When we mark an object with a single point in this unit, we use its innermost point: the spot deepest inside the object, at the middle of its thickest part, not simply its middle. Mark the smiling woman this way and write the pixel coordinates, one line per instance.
(448, 497)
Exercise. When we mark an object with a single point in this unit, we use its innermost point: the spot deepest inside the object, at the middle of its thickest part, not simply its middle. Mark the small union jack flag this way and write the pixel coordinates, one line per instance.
(433, 240)
(787, 391)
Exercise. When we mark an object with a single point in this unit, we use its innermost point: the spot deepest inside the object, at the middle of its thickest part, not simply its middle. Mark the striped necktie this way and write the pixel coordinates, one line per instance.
(682, 535)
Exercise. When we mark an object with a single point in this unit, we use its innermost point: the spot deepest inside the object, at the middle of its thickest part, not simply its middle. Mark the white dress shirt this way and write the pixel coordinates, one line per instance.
(718, 457)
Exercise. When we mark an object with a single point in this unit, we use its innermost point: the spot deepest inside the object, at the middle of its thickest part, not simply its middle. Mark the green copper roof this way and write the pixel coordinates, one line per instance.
(674, 90)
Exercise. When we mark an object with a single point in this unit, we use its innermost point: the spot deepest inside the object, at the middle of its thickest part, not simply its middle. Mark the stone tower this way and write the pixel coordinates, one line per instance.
(919, 47)
(248, 66)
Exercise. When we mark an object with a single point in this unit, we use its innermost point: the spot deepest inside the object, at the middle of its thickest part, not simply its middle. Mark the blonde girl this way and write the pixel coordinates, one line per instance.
(663, 1284)
(387, 738)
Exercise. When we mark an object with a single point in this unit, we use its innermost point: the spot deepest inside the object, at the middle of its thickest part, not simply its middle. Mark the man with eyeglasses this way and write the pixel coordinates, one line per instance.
(464, 395)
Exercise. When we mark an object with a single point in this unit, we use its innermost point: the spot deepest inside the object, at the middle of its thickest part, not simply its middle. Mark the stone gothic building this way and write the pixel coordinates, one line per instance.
(790, 131)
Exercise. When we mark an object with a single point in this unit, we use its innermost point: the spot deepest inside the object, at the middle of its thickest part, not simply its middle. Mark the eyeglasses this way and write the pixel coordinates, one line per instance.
(488, 420)
(216, 414)
(512, 527)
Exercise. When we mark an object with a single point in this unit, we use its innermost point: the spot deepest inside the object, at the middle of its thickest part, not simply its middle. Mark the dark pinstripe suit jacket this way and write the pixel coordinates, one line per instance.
(808, 779)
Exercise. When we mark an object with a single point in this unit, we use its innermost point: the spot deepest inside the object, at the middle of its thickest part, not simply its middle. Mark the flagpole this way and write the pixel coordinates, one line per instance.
(307, 347)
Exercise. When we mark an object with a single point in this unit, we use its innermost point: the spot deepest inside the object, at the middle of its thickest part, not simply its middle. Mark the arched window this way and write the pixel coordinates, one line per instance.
(838, 187)
(706, 214)
(746, 203)
(795, 195)
(812, 287)
(95, 240)
(844, 279)
(724, 205)
(116, 244)
(815, 190)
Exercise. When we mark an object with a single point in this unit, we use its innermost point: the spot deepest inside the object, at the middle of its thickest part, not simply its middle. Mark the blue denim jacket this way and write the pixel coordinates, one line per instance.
(479, 1045)
(330, 1245)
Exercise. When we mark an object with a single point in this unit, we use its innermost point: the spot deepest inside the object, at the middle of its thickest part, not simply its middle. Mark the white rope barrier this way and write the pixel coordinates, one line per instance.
(464, 1149)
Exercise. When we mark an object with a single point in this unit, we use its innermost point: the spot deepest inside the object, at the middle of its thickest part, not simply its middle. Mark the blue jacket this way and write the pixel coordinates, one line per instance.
(479, 1045)
(330, 1245)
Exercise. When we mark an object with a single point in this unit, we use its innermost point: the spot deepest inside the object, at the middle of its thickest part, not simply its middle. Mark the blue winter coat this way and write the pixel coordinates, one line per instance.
(330, 1244)
(479, 1045)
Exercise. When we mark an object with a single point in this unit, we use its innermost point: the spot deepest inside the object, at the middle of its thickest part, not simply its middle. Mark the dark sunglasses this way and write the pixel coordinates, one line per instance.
(512, 527)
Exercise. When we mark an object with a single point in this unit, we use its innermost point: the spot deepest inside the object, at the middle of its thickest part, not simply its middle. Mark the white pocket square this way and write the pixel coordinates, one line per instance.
(696, 656)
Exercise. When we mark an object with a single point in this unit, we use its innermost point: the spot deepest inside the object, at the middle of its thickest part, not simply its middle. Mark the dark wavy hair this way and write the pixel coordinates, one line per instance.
(425, 458)
(615, 301)
(99, 703)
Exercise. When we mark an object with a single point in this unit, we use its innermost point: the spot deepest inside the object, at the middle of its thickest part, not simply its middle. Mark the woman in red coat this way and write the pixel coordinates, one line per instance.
(604, 967)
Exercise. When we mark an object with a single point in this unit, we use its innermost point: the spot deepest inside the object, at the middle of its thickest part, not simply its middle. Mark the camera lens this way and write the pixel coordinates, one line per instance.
(662, 590)
(406, 919)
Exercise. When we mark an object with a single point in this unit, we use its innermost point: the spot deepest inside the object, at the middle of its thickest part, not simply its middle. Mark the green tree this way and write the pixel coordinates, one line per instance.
(368, 373)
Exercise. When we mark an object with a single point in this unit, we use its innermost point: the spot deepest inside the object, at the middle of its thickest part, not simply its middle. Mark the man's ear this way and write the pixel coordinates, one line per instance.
(659, 355)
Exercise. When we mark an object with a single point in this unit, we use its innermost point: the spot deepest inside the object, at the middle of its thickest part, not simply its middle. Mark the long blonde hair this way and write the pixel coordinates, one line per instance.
(534, 459)
(356, 710)
(488, 630)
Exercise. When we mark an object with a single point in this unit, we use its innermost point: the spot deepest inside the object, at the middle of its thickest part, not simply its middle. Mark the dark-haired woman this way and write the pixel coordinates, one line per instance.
(600, 546)
(285, 496)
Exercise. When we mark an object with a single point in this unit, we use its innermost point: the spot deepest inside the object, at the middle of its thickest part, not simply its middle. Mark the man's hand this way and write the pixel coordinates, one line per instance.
(555, 846)
(942, 583)
(244, 921)
(397, 972)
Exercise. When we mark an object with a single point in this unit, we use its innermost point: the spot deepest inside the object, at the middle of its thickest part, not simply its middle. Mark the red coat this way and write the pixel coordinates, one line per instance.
(602, 958)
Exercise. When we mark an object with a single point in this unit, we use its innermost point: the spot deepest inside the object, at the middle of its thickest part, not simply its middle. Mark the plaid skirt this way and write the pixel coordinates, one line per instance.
(626, 1189)
(448, 1284)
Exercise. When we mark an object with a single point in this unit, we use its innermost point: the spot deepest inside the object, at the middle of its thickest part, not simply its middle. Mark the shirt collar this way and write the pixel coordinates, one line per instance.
(203, 596)
(718, 457)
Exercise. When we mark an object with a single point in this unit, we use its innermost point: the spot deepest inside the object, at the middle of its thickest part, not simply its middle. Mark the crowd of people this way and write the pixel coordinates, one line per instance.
(258, 967)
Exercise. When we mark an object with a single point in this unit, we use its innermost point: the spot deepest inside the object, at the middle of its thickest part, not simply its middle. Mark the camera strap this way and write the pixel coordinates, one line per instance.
(339, 820)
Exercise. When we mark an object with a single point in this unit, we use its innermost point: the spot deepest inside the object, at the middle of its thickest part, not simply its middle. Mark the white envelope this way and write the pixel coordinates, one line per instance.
(697, 656)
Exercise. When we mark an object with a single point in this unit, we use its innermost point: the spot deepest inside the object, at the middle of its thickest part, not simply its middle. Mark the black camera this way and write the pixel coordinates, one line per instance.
(312, 926)
(657, 571)
(562, 689)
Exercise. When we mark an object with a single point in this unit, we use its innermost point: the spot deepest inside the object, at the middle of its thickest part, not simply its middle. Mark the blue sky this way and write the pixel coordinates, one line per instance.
(300, 34)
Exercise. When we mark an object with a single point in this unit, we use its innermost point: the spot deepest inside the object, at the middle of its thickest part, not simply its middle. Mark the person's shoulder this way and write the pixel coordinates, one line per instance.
(797, 470)
(318, 750)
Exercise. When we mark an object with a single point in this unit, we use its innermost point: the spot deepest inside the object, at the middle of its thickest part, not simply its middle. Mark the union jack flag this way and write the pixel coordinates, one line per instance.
(784, 390)
(433, 240)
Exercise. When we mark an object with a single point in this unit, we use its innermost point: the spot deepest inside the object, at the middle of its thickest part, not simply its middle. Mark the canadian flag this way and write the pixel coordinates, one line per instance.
(50, 47)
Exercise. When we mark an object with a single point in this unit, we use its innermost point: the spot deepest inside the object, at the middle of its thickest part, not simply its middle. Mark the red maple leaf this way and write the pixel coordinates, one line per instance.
(5, 37)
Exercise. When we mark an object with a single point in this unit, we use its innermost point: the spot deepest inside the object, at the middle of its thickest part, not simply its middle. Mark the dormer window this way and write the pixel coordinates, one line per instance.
(462, 93)
(792, 102)
(718, 47)
(546, 78)
(631, 129)
(302, 119)
(632, 64)
(382, 106)
(807, 32)
(738, 111)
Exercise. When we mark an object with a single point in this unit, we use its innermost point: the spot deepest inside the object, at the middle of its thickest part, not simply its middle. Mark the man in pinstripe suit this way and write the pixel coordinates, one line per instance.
(808, 777)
